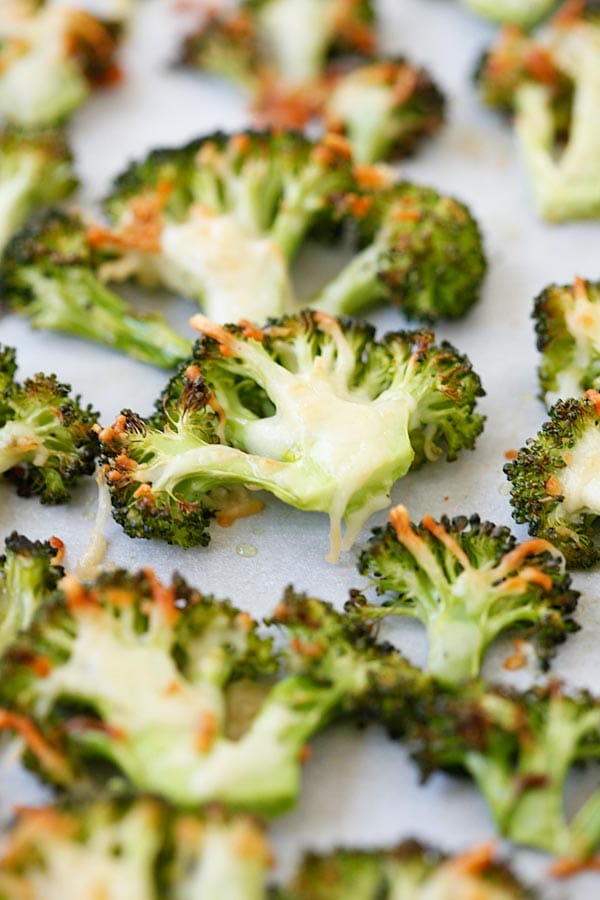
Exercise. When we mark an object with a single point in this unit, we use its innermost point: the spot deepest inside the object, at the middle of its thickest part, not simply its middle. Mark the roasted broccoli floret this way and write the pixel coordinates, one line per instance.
(279, 409)
(29, 574)
(47, 438)
(555, 482)
(36, 169)
(468, 581)
(206, 714)
(385, 108)
(280, 52)
(50, 58)
(418, 249)
(410, 870)
(53, 273)
(235, 211)
(567, 323)
(519, 748)
(226, 216)
(137, 849)
(550, 84)
(524, 13)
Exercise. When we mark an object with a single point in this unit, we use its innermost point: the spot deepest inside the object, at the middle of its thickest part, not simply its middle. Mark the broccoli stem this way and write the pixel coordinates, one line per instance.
(357, 288)
(456, 647)
(15, 192)
(76, 302)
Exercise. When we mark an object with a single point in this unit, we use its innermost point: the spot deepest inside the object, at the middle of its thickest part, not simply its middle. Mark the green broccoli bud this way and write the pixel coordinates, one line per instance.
(467, 581)
(567, 323)
(276, 409)
(235, 212)
(513, 12)
(519, 748)
(281, 52)
(551, 86)
(385, 108)
(50, 57)
(28, 576)
(554, 486)
(191, 662)
(36, 169)
(53, 273)
(47, 438)
(422, 251)
(140, 847)
(408, 870)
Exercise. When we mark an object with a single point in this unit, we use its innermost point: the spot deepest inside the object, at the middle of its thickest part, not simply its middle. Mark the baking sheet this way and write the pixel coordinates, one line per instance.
(359, 787)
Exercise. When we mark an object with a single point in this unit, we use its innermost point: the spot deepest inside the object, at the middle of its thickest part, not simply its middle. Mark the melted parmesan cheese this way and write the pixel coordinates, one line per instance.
(580, 479)
(89, 564)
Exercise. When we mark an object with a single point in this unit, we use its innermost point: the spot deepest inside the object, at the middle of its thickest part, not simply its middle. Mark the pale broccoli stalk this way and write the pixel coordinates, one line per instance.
(419, 250)
(229, 214)
(524, 13)
(384, 108)
(47, 438)
(36, 169)
(191, 664)
(554, 97)
(519, 748)
(278, 409)
(29, 575)
(410, 870)
(53, 274)
(49, 59)
(567, 323)
(140, 847)
(468, 581)
(555, 480)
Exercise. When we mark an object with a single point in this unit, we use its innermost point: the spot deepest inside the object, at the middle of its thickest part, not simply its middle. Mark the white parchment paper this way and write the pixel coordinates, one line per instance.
(359, 787)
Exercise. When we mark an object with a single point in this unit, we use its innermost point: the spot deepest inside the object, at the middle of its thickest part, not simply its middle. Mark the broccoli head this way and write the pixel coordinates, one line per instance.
(408, 870)
(234, 212)
(135, 848)
(36, 169)
(519, 748)
(50, 58)
(47, 438)
(467, 581)
(418, 249)
(238, 722)
(281, 52)
(52, 273)
(524, 13)
(554, 480)
(567, 323)
(277, 409)
(550, 84)
(29, 575)
(385, 108)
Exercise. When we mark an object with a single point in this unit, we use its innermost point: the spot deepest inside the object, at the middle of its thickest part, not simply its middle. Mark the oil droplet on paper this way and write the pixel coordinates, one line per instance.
(504, 489)
(246, 550)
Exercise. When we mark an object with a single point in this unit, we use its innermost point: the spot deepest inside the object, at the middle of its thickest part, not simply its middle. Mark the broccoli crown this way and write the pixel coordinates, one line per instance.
(410, 869)
(276, 408)
(47, 438)
(519, 748)
(567, 323)
(251, 46)
(468, 581)
(53, 273)
(50, 57)
(550, 84)
(29, 575)
(554, 484)
(36, 168)
(225, 215)
(385, 108)
(140, 847)
(513, 12)
(421, 250)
